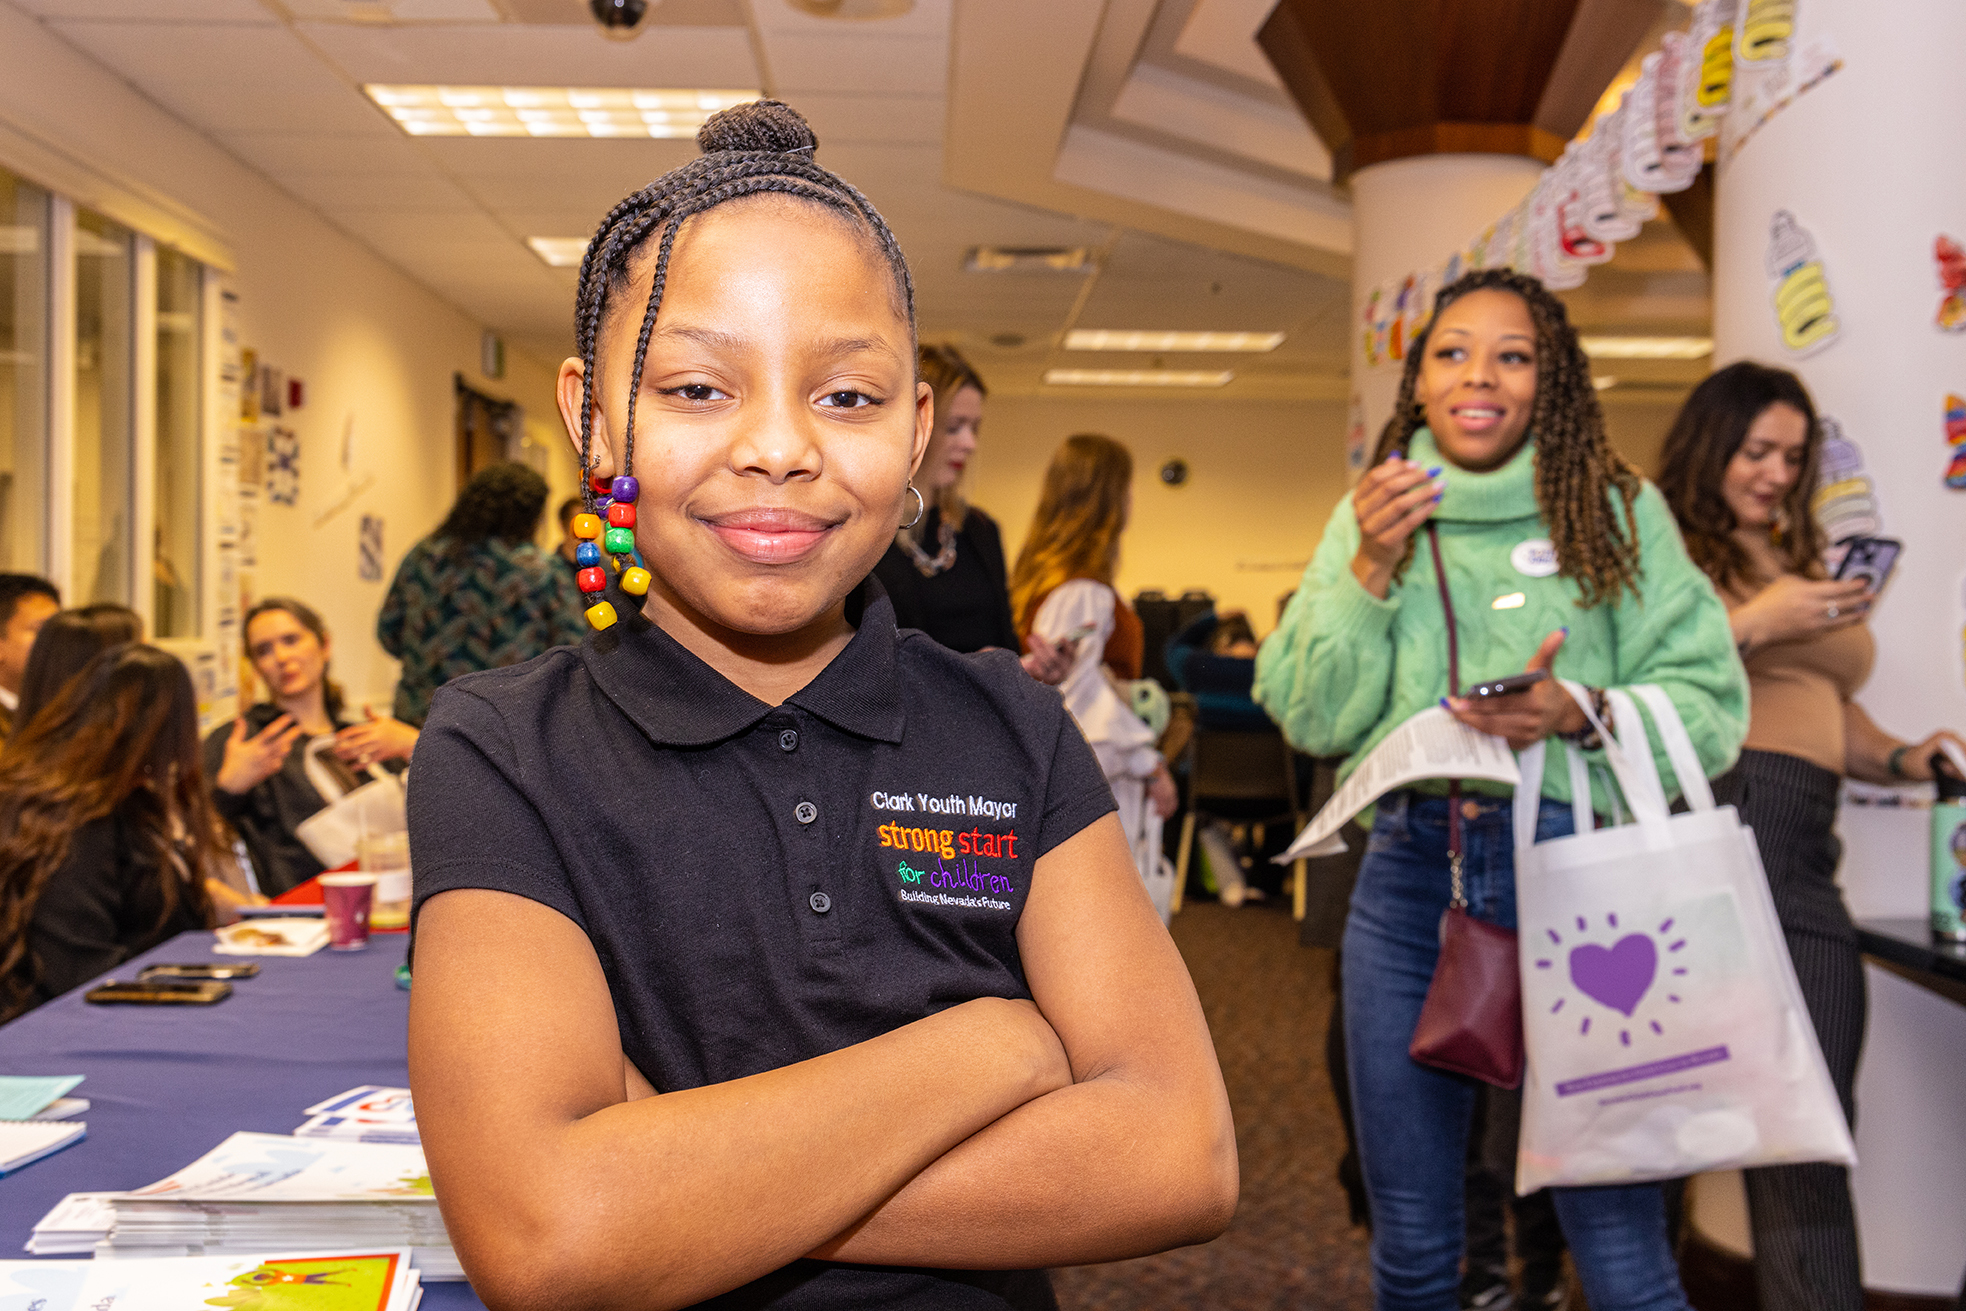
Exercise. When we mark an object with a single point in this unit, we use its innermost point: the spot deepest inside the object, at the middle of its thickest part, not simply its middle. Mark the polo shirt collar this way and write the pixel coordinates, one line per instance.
(678, 700)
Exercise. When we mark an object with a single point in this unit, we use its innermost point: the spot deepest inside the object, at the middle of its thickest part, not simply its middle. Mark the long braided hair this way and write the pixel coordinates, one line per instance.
(761, 148)
(1575, 465)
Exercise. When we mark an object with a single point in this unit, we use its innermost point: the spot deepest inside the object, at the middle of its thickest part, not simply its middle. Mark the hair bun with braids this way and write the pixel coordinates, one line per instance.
(771, 126)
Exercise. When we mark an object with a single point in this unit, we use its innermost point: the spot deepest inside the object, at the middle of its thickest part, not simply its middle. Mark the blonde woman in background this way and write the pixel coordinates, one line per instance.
(945, 570)
(1062, 592)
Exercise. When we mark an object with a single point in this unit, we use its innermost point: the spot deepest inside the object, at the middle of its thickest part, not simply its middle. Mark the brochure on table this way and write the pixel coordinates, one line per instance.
(358, 1280)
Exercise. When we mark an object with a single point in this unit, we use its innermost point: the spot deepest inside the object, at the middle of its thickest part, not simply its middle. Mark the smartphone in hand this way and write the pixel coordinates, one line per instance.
(1869, 560)
(1509, 686)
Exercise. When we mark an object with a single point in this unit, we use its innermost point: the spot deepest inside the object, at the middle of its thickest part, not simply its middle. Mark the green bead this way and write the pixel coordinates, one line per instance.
(620, 541)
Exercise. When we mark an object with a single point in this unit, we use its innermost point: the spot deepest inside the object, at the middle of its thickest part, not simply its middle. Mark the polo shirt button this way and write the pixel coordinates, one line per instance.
(788, 740)
(820, 902)
(805, 812)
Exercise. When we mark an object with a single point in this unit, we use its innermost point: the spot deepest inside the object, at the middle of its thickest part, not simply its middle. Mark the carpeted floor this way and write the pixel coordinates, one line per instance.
(1290, 1246)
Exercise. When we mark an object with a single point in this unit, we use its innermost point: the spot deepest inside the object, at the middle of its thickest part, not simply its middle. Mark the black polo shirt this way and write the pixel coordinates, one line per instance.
(765, 884)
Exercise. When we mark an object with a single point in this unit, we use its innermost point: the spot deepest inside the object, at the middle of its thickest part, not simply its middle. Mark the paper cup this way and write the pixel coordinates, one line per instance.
(346, 899)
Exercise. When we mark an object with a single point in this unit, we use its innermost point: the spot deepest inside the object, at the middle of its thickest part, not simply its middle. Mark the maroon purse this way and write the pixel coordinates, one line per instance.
(1471, 1022)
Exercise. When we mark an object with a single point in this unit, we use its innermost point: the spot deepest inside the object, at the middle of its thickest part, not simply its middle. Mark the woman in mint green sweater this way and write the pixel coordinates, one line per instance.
(1558, 556)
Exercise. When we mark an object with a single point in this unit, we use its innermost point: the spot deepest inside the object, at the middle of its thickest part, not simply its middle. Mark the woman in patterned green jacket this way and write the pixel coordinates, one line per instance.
(477, 593)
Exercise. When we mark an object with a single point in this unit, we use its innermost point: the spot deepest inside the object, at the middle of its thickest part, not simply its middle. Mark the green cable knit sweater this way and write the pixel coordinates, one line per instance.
(1343, 668)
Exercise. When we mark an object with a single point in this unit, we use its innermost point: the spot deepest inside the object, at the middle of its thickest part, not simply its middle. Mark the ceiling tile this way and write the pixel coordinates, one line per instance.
(396, 233)
(392, 191)
(898, 120)
(312, 152)
(928, 19)
(509, 54)
(853, 63)
(156, 11)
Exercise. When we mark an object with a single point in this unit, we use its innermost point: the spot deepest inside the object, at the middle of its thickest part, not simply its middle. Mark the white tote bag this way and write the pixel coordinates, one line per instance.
(1666, 1034)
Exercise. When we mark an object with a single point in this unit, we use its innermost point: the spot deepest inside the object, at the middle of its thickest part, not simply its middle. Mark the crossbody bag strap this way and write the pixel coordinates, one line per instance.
(1454, 850)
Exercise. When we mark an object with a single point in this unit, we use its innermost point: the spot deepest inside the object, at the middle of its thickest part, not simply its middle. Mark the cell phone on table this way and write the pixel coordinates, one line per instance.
(209, 970)
(1869, 560)
(1508, 686)
(160, 992)
(1078, 634)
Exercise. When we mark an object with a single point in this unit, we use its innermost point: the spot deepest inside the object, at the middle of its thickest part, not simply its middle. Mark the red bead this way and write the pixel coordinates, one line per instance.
(594, 579)
(621, 516)
(600, 482)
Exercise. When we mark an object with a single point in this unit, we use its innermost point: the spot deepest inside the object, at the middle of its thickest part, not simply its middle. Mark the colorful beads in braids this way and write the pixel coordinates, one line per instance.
(761, 148)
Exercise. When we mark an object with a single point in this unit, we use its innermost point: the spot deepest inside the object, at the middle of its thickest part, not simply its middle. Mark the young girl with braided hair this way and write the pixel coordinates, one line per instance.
(807, 932)
(1552, 547)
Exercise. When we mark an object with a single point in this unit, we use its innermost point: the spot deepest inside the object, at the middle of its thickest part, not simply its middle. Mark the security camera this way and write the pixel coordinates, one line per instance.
(619, 19)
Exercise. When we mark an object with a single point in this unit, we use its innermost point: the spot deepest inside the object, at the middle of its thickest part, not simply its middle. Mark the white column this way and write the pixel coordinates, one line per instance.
(1408, 215)
(1867, 163)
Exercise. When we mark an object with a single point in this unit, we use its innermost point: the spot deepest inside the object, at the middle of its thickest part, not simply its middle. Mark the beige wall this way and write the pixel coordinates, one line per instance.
(376, 349)
(1262, 478)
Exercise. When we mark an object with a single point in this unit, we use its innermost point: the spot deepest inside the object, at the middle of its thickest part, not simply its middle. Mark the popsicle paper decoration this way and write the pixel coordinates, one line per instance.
(1955, 427)
(1951, 259)
(1606, 185)
(1804, 310)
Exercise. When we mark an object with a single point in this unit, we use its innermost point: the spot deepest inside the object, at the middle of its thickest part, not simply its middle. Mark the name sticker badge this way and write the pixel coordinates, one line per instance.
(1535, 558)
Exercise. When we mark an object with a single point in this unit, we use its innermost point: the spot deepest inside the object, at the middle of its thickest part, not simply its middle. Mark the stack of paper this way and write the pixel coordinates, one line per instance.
(78, 1222)
(357, 1279)
(258, 1192)
(35, 1118)
(369, 1114)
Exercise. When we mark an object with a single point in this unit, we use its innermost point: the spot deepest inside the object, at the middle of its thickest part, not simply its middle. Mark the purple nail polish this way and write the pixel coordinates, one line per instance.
(1566, 630)
(1444, 705)
(1439, 494)
(1435, 471)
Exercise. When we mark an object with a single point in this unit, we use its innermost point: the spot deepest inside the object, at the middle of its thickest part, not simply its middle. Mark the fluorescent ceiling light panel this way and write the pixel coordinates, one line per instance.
(1136, 378)
(1108, 339)
(1647, 348)
(540, 111)
(560, 252)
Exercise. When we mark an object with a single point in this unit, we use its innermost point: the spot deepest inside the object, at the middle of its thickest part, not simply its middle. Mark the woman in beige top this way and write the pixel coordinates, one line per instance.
(1739, 466)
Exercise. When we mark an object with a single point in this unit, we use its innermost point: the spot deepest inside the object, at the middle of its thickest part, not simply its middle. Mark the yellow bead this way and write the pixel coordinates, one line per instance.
(587, 526)
(601, 615)
(635, 581)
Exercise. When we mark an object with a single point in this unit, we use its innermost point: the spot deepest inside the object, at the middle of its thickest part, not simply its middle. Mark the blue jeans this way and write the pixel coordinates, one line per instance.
(1413, 1120)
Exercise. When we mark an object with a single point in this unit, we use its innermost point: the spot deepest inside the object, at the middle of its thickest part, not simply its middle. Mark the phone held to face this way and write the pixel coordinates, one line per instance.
(1869, 560)
(1514, 683)
(160, 992)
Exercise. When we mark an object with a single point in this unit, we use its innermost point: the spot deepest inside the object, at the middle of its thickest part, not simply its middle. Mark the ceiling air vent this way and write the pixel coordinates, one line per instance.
(1029, 259)
(853, 9)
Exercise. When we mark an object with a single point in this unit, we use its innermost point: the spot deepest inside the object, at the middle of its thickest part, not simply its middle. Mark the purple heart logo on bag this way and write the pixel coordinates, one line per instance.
(1617, 976)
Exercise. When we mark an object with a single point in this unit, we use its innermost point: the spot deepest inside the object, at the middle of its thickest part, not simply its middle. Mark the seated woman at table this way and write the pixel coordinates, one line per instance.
(68, 641)
(263, 786)
(108, 829)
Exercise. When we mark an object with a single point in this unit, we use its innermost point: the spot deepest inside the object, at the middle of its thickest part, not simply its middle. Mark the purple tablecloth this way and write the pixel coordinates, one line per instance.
(167, 1084)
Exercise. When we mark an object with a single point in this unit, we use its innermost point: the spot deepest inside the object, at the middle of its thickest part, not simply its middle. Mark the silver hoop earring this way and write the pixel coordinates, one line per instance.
(921, 506)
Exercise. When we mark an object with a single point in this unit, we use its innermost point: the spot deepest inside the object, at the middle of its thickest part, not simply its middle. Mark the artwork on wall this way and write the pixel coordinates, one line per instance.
(1955, 429)
(1845, 502)
(1804, 309)
(369, 563)
(282, 466)
(1951, 258)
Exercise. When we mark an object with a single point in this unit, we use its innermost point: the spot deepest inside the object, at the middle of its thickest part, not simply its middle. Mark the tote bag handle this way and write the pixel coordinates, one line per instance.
(1644, 795)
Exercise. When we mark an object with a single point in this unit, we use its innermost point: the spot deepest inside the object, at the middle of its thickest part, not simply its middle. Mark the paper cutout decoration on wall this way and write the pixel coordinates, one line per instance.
(1804, 310)
(1956, 439)
(1845, 501)
(369, 563)
(1711, 69)
(1358, 445)
(282, 466)
(1764, 34)
(1369, 327)
(1680, 154)
(1952, 281)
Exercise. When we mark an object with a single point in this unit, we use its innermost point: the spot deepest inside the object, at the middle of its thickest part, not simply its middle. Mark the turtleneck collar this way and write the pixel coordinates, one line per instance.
(1493, 497)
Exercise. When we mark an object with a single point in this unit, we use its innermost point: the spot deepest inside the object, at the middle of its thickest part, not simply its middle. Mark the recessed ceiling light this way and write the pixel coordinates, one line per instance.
(1107, 339)
(1135, 378)
(1647, 348)
(560, 252)
(512, 111)
(1028, 259)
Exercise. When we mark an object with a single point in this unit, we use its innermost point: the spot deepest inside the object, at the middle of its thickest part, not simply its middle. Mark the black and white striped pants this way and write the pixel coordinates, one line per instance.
(1805, 1228)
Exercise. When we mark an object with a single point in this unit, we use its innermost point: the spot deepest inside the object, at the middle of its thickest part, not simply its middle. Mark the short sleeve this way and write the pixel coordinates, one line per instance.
(471, 822)
(1076, 791)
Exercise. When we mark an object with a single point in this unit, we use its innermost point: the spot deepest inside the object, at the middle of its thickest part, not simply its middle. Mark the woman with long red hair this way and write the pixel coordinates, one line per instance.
(107, 825)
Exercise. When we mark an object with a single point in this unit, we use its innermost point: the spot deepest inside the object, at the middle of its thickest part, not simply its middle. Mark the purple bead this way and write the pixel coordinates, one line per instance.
(601, 504)
(626, 488)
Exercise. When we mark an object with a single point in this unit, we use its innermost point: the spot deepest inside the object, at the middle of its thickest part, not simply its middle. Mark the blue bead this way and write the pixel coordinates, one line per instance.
(625, 488)
(587, 555)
